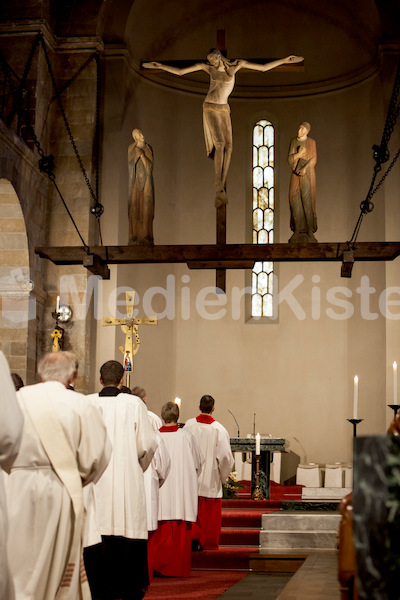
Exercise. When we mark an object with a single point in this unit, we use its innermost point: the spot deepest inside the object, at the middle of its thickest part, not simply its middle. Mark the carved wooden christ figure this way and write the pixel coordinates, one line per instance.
(141, 190)
(216, 111)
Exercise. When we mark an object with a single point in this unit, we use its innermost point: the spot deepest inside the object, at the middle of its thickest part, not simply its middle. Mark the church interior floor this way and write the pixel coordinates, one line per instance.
(315, 580)
(258, 586)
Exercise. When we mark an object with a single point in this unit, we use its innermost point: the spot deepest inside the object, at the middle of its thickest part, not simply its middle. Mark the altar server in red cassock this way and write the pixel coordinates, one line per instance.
(214, 443)
(178, 497)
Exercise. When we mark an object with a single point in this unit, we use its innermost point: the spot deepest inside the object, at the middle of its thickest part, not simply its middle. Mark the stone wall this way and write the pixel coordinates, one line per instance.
(42, 217)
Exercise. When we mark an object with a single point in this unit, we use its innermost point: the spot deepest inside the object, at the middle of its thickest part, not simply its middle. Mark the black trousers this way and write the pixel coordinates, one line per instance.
(117, 568)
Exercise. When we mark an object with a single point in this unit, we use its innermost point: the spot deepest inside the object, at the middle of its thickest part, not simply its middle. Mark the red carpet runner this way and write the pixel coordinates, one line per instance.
(206, 585)
(222, 568)
(241, 524)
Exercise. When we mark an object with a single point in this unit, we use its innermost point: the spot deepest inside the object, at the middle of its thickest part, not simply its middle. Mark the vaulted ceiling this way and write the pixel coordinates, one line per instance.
(338, 39)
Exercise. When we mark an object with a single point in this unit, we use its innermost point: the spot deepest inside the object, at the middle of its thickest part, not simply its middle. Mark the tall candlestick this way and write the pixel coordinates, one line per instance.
(178, 401)
(58, 305)
(395, 382)
(258, 444)
(355, 400)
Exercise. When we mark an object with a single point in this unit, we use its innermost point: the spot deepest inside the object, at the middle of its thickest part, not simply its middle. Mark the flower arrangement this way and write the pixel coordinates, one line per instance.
(230, 486)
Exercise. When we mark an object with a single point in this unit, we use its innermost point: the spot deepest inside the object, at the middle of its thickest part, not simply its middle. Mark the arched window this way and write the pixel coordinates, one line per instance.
(263, 215)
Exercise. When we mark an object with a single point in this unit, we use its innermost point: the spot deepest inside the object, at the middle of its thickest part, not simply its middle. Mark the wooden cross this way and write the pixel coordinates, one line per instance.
(129, 326)
(221, 207)
(221, 210)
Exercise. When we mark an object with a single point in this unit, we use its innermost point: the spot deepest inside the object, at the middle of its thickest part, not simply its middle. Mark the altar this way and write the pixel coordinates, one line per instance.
(267, 445)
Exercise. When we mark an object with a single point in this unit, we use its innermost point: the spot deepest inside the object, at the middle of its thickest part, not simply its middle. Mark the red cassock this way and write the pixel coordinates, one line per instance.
(214, 443)
(177, 504)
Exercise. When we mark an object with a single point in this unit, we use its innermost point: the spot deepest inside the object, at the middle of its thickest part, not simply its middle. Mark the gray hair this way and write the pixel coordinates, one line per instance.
(139, 392)
(57, 366)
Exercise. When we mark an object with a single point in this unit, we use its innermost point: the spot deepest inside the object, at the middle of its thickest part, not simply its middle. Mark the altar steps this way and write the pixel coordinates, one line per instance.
(270, 535)
(287, 538)
(299, 530)
(240, 533)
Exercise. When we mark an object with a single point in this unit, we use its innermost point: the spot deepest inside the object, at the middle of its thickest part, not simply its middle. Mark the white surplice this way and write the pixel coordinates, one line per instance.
(214, 443)
(40, 508)
(156, 474)
(155, 420)
(11, 424)
(178, 495)
(154, 478)
(116, 505)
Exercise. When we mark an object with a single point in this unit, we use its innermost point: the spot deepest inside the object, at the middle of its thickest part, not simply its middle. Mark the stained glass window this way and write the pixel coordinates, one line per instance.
(263, 215)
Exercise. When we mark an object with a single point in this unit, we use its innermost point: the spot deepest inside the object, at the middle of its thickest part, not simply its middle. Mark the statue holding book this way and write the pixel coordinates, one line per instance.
(302, 158)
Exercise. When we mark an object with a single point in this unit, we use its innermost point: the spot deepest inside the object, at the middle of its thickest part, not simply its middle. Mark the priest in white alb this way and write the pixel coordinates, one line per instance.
(214, 442)
(116, 536)
(11, 424)
(178, 497)
(64, 446)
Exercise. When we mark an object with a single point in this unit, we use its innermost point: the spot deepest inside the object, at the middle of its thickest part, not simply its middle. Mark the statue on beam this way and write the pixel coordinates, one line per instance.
(141, 190)
(302, 158)
(216, 111)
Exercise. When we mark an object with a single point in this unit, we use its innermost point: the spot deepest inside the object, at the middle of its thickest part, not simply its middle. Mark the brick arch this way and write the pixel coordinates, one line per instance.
(15, 283)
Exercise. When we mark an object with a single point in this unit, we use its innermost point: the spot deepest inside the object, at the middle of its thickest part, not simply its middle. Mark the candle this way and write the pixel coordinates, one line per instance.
(395, 382)
(58, 305)
(258, 450)
(178, 401)
(355, 400)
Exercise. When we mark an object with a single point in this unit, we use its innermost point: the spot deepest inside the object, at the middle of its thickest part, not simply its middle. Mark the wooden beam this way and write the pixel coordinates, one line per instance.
(214, 255)
(220, 264)
(96, 265)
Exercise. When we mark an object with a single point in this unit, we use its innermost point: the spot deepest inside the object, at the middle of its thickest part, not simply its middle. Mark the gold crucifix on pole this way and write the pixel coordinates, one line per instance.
(129, 326)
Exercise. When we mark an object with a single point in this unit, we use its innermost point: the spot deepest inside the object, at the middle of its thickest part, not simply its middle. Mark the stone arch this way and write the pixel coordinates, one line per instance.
(17, 307)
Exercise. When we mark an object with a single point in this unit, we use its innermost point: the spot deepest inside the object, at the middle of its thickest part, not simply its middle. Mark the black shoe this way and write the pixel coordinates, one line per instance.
(196, 547)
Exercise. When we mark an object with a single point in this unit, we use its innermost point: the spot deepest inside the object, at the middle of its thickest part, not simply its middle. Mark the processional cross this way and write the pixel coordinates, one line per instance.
(129, 326)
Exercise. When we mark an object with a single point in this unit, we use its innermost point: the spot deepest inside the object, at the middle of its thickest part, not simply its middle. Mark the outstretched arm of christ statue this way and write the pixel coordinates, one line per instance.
(235, 66)
(245, 64)
(174, 70)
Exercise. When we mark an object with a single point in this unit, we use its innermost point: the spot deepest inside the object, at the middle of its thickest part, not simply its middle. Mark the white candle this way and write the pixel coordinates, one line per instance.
(395, 382)
(355, 400)
(258, 449)
(178, 401)
(58, 305)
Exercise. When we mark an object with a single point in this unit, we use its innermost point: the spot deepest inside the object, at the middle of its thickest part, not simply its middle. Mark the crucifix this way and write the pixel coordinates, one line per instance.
(217, 118)
(222, 256)
(129, 326)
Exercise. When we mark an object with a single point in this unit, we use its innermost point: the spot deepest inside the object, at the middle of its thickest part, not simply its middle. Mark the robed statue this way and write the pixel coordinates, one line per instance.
(302, 158)
(141, 190)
